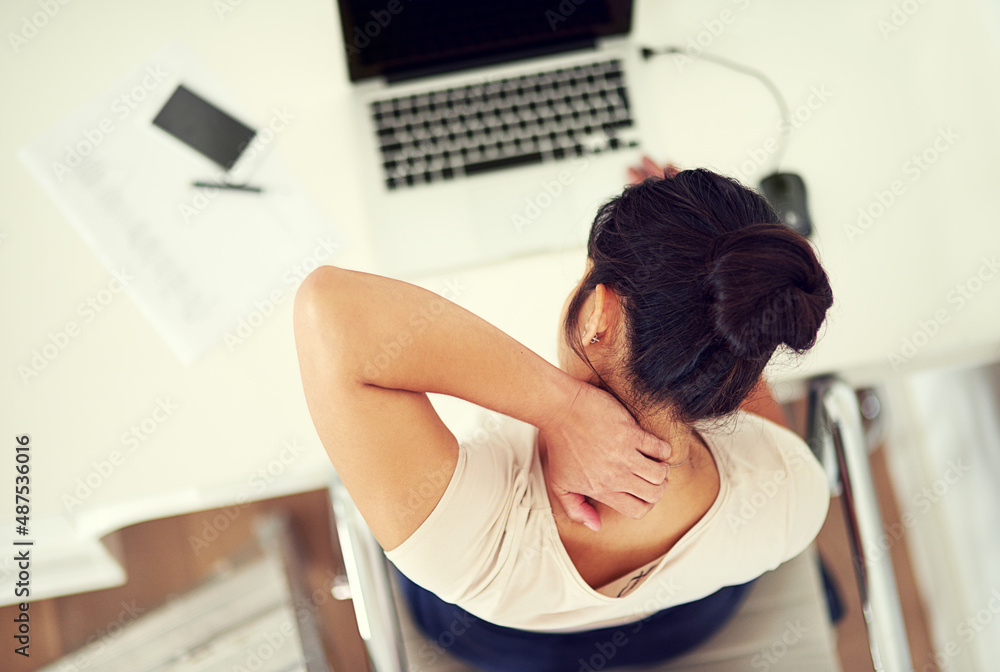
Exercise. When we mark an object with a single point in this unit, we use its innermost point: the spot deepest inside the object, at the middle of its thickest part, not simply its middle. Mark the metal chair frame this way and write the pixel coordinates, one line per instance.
(836, 436)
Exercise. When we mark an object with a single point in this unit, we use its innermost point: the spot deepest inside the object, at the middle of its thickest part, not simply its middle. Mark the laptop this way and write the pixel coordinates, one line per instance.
(488, 130)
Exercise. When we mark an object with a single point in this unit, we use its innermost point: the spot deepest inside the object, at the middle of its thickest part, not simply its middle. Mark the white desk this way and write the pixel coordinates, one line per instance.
(235, 415)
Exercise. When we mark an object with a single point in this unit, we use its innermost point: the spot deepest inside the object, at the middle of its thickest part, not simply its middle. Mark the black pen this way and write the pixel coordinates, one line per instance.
(227, 185)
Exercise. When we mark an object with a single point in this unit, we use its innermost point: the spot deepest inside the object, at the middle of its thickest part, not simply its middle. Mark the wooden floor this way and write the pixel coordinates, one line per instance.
(161, 561)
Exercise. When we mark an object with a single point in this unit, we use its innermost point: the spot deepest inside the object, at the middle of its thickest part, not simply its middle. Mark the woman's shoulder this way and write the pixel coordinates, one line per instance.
(777, 483)
(749, 442)
(472, 534)
(495, 431)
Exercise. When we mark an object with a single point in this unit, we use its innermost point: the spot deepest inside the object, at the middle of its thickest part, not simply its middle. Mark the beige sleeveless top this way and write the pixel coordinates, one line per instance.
(491, 545)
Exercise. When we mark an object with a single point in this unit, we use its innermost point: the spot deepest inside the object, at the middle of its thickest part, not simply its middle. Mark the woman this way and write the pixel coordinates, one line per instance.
(691, 284)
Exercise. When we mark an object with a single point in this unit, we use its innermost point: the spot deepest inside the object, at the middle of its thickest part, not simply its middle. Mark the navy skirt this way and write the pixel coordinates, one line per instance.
(666, 634)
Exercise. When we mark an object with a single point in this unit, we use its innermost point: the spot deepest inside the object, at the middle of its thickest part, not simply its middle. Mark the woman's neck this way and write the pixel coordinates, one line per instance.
(688, 452)
(682, 438)
(662, 424)
(692, 487)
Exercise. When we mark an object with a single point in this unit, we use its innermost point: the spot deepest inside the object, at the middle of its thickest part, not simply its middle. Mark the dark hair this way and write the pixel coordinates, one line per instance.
(710, 283)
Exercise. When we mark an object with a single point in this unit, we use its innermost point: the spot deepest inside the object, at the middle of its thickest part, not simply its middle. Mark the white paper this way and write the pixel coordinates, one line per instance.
(195, 261)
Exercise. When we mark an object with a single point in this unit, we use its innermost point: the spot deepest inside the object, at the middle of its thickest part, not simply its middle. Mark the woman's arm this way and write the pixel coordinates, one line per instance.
(370, 348)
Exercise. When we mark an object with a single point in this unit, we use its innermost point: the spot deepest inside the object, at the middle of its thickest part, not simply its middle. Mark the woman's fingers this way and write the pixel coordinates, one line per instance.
(649, 468)
(597, 450)
(650, 167)
(635, 175)
(650, 458)
(627, 505)
(654, 448)
(578, 510)
(651, 493)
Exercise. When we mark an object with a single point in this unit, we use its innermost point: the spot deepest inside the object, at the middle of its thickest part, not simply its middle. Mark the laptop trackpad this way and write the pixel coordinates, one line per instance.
(536, 211)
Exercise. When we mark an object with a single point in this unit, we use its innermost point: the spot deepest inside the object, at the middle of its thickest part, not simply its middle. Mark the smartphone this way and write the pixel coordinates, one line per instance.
(206, 129)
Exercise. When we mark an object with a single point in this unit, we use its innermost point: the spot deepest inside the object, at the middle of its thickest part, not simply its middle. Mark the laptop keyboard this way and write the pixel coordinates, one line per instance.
(488, 126)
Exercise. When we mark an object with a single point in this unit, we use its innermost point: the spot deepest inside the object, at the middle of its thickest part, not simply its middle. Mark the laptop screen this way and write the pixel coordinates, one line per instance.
(399, 39)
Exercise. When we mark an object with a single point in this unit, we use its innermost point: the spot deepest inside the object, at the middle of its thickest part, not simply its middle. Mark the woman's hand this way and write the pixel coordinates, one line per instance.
(649, 169)
(597, 450)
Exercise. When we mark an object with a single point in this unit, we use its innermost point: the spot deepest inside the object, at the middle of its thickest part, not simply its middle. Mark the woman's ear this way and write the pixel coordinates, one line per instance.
(595, 314)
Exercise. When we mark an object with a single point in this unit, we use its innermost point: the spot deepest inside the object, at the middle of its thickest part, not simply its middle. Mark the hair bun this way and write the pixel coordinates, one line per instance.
(767, 289)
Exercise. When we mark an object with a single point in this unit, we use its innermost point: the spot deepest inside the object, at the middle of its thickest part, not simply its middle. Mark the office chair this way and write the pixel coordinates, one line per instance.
(783, 624)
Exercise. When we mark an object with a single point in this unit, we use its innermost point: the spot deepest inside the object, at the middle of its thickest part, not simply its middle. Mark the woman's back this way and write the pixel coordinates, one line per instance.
(625, 545)
(495, 548)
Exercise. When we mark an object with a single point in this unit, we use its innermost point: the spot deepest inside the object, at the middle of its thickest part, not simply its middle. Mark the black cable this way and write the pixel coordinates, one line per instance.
(786, 127)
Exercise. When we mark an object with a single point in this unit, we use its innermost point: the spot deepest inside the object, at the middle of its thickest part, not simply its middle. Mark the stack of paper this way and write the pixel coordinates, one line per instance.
(199, 263)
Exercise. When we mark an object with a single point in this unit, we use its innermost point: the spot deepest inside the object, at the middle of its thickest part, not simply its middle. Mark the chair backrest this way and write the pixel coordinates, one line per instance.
(368, 577)
(782, 625)
(837, 437)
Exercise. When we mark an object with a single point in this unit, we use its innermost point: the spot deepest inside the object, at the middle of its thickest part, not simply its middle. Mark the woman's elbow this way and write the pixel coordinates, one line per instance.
(322, 306)
(318, 315)
(316, 293)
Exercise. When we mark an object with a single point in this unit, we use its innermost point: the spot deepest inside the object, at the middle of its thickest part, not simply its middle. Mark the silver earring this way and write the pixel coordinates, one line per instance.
(595, 340)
